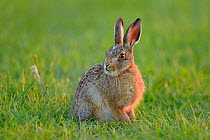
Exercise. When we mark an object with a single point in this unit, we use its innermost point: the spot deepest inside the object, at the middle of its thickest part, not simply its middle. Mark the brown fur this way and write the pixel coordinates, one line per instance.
(112, 89)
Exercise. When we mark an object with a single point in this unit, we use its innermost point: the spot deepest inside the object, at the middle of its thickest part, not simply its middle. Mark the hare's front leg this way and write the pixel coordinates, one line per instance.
(114, 113)
(107, 115)
(121, 115)
(131, 115)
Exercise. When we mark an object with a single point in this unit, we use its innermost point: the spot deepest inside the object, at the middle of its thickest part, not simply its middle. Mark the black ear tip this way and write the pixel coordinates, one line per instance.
(138, 19)
(120, 20)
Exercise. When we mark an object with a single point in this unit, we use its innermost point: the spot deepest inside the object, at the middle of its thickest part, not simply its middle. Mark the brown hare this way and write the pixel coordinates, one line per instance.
(112, 89)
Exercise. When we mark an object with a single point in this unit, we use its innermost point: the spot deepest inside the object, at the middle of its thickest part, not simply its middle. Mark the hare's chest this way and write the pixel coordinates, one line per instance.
(128, 91)
(122, 86)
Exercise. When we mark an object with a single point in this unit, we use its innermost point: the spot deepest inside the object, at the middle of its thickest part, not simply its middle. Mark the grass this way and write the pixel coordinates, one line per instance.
(65, 38)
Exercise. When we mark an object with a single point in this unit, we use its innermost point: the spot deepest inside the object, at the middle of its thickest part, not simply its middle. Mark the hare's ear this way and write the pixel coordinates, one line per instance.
(133, 33)
(119, 32)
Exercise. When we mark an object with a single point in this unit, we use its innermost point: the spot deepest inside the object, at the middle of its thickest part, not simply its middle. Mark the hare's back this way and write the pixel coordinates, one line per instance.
(93, 72)
(90, 76)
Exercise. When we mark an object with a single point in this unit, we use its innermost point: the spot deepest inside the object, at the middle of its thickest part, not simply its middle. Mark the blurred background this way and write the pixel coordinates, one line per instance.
(64, 38)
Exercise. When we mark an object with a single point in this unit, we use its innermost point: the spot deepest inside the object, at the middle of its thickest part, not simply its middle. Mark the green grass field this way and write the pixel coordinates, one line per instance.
(64, 38)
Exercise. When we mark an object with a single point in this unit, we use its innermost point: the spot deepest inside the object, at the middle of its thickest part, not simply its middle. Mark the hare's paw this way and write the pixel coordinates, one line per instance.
(131, 115)
(106, 118)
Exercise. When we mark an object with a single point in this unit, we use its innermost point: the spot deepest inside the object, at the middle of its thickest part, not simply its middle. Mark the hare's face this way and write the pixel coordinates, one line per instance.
(120, 57)
(117, 60)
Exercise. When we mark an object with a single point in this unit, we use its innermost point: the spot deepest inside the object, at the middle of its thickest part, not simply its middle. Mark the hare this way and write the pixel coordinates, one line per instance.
(111, 90)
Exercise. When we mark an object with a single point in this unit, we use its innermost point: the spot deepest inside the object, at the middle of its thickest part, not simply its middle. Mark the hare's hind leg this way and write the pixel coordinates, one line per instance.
(83, 112)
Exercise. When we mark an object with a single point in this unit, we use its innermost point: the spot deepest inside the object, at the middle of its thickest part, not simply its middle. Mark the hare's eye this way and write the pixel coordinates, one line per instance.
(122, 56)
